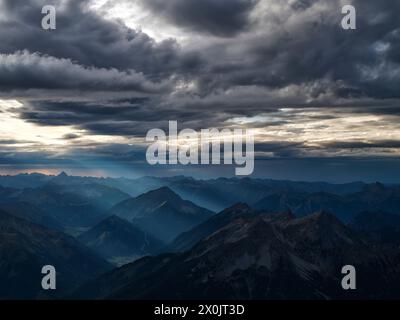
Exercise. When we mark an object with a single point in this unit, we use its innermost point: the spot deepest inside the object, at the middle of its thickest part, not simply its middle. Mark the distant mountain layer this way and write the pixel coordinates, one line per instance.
(26, 247)
(374, 197)
(218, 194)
(213, 194)
(302, 198)
(119, 241)
(261, 256)
(81, 205)
(162, 213)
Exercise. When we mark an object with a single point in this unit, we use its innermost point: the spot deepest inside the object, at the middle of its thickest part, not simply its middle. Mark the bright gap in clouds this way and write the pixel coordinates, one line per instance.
(133, 15)
(317, 128)
(313, 128)
(29, 137)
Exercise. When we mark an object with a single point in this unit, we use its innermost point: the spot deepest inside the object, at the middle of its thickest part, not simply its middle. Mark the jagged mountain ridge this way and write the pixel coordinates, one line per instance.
(187, 240)
(161, 212)
(259, 257)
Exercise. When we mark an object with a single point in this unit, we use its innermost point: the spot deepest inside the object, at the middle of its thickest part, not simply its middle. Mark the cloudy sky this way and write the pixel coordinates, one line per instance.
(324, 101)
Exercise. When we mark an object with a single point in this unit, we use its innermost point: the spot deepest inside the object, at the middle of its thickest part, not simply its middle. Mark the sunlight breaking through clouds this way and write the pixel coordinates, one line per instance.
(26, 136)
(319, 131)
(113, 70)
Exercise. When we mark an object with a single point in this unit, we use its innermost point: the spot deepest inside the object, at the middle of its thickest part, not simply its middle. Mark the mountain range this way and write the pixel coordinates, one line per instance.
(152, 237)
(259, 256)
(373, 197)
(213, 194)
(68, 206)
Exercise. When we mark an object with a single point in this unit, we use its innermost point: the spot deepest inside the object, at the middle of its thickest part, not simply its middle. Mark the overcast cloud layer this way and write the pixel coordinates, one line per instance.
(115, 69)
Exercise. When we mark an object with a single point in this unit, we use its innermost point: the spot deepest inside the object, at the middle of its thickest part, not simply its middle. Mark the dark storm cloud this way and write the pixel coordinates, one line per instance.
(116, 117)
(302, 4)
(275, 146)
(313, 49)
(92, 155)
(383, 144)
(279, 149)
(114, 152)
(71, 136)
(218, 18)
(299, 44)
(12, 141)
(11, 158)
(99, 75)
(23, 70)
(87, 38)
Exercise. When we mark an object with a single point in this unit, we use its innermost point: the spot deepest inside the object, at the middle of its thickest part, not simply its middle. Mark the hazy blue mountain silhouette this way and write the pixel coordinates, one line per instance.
(218, 194)
(81, 205)
(161, 212)
(213, 194)
(119, 241)
(373, 197)
(25, 180)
